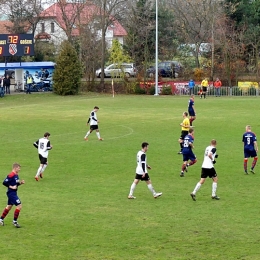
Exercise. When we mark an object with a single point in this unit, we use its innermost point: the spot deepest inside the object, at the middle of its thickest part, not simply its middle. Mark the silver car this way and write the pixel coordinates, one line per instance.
(116, 70)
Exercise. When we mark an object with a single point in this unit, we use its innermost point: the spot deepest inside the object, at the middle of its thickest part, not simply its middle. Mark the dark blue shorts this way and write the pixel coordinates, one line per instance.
(191, 112)
(13, 199)
(249, 153)
(189, 156)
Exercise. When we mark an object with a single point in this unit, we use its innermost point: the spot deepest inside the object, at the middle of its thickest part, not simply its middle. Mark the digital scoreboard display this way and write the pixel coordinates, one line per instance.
(16, 45)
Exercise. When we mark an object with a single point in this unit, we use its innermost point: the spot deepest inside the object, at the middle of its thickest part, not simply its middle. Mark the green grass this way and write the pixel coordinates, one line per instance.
(80, 209)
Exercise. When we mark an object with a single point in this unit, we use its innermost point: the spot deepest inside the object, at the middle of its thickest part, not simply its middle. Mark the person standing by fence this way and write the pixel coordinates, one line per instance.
(217, 86)
(191, 86)
(204, 85)
(7, 83)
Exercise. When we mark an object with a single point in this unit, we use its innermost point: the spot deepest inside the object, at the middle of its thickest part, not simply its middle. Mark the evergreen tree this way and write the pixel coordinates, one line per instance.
(68, 71)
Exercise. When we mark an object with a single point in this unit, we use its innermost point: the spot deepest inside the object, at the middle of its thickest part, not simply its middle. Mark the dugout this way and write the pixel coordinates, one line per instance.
(18, 71)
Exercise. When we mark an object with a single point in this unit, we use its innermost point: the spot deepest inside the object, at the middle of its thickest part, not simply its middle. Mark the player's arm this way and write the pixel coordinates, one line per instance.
(36, 144)
(7, 183)
(49, 146)
(143, 156)
(88, 120)
(256, 146)
(191, 145)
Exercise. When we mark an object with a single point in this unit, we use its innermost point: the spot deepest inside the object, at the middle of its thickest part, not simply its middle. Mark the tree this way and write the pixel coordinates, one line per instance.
(68, 71)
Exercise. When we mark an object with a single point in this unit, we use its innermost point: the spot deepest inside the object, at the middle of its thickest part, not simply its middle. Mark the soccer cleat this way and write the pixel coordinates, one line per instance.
(252, 171)
(131, 197)
(193, 196)
(246, 172)
(180, 152)
(157, 195)
(86, 139)
(215, 197)
(41, 175)
(100, 139)
(2, 222)
(15, 223)
(36, 178)
(182, 174)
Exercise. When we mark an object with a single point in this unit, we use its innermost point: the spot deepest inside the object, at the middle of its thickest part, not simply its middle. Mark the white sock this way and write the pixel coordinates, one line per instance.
(197, 187)
(132, 188)
(214, 189)
(150, 187)
(98, 135)
(44, 167)
(39, 171)
(87, 134)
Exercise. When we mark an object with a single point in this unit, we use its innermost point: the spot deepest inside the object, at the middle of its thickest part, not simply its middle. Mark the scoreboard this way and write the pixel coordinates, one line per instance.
(16, 45)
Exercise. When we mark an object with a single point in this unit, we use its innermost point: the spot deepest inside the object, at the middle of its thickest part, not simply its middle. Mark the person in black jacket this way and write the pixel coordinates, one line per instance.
(7, 83)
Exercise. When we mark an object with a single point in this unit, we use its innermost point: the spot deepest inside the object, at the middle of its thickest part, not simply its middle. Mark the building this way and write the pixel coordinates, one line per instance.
(59, 21)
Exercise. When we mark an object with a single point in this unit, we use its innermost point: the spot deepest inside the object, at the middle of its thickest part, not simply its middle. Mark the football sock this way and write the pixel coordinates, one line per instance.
(44, 167)
(197, 187)
(16, 214)
(183, 167)
(98, 135)
(150, 187)
(39, 171)
(87, 134)
(191, 121)
(214, 189)
(204, 95)
(245, 164)
(254, 162)
(132, 188)
(5, 212)
(192, 162)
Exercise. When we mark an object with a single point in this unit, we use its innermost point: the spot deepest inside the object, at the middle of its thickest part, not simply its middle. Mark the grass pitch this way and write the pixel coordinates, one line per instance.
(80, 210)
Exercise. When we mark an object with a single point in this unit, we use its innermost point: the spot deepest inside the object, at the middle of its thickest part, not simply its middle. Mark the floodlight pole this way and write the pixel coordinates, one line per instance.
(156, 48)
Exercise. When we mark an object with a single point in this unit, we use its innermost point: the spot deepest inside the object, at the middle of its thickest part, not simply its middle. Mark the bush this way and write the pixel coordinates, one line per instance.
(151, 90)
(166, 90)
(139, 90)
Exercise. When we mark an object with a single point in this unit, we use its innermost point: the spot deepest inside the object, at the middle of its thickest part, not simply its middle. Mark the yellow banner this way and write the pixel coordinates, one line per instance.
(247, 84)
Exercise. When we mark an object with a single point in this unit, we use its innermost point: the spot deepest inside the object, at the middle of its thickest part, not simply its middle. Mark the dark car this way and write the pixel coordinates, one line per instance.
(170, 69)
(11, 73)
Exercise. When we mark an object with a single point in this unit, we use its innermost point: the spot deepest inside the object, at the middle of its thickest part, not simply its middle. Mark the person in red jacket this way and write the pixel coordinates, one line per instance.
(217, 86)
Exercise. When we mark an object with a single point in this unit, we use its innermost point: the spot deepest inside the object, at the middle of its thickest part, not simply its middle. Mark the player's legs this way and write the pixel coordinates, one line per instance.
(88, 133)
(214, 186)
(132, 189)
(5, 213)
(98, 135)
(245, 165)
(43, 169)
(151, 188)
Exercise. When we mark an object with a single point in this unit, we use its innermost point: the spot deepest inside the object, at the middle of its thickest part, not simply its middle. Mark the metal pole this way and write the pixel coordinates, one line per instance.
(156, 48)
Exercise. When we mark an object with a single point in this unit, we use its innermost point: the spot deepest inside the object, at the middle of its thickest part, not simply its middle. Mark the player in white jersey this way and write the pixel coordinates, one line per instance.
(93, 121)
(142, 173)
(43, 145)
(208, 170)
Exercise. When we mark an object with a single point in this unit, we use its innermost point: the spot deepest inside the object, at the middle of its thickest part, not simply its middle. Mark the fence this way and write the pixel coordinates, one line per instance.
(224, 91)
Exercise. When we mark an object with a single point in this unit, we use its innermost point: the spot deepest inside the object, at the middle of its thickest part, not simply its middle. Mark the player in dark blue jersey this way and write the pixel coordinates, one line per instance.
(187, 152)
(12, 182)
(191, 109)
(250, 148)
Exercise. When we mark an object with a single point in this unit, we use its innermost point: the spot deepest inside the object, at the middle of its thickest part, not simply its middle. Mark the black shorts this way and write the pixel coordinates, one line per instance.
(43, 160)
(204, 89)
(93, 127)
(183, 134)
(211, 173)
(139, 177)
(191, 112)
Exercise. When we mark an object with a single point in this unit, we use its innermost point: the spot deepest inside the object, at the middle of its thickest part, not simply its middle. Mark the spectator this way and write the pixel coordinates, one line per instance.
(191, 86)
(2, 90)
(217, 86)
(29, 84)
(7, 83)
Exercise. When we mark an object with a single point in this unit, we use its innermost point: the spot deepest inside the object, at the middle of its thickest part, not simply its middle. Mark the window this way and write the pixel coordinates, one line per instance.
(52, 27)
(43, 27)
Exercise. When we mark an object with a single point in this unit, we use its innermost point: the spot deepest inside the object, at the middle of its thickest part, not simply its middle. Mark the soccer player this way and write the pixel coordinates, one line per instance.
(250, 148)
(185, 126)
(204, 85)
(142, 173)
(93, 124)
(43, 145)
(191, 109)
(208, 170)
(187, 152)
(12, 182)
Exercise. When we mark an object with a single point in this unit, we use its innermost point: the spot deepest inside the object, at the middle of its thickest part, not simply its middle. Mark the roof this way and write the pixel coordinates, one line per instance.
(42, 36)
(87, 12)
(24, 65)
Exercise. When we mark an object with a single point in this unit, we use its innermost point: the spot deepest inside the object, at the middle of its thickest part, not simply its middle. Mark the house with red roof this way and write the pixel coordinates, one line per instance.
(60, 21)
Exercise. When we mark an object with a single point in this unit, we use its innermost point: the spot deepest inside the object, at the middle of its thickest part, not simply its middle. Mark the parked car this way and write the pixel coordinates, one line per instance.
(115, 70)
(171, 69)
